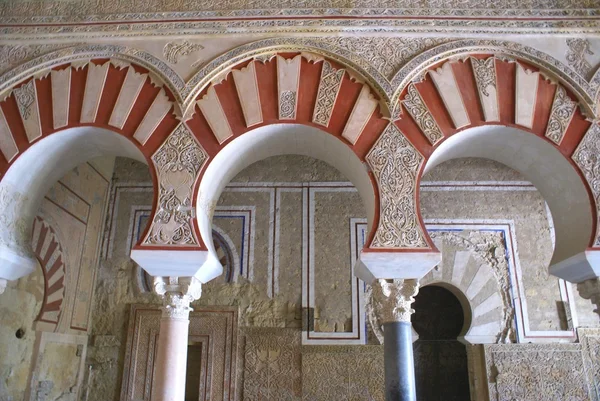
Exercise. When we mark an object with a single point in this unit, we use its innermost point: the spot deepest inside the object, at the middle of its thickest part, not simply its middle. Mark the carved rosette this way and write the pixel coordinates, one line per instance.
(178, 293)
(178, 162)
(590, 289)
(390, 301)
(587, 158)
(395, 164)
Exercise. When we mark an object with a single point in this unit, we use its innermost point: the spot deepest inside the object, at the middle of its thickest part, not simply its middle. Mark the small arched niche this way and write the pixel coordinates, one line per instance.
(496, 211)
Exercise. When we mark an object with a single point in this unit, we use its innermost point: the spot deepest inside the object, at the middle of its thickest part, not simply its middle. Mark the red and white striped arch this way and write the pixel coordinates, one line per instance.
(49, 252)
(115, 95)
(483, 90)
(292, 88)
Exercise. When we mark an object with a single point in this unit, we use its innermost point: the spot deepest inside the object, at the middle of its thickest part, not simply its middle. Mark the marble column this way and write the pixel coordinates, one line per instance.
(171, 356)
(590, 289)
(3, 284)
(392, 299)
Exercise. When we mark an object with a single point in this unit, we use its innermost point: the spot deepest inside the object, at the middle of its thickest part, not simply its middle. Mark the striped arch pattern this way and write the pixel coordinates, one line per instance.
(49, 252)
(301, 88)
(483, 89)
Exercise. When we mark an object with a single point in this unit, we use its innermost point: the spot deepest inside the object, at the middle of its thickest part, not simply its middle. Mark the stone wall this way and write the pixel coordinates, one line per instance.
(287, 230)
(46, 316)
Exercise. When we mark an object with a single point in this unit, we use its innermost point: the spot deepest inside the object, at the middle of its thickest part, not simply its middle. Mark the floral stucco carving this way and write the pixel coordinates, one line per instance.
(578, 49)
(178, 162)
(562, 111)
(395, 164)
(550, 66)
(173, 51)
(525, 372)
(590, 344)
(587, 158)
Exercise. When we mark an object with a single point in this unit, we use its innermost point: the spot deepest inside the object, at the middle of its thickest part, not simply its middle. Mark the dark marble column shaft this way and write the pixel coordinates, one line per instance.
(399, 362)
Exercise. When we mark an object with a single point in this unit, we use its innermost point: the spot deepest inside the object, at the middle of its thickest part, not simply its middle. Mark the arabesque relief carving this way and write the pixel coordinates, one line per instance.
(178, 162)
(525, 372)
(390, 301)
(273, 363)
(587, 158)
(395, 164)
(561, 114)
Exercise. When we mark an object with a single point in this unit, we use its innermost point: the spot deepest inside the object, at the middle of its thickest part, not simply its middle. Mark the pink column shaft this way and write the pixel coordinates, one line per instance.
(171, 360)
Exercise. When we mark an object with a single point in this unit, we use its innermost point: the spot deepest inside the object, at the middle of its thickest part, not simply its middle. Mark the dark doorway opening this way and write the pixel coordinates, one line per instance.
(441, 366)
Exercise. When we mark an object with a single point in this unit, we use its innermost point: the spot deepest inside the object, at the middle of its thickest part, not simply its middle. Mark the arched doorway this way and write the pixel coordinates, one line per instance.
(440, 359)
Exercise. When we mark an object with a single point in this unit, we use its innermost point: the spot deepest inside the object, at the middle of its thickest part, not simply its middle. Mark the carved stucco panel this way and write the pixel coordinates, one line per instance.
(420, 113)
(590, 343)
(395, 164)
(178, 162)
(563, 109)
(329, 86)
(342, 373)
(587, 158)
(533, 372)
(273, 363)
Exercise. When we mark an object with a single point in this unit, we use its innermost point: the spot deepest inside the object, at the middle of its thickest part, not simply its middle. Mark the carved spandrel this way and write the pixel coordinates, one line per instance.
(395, 164)
(178, 162)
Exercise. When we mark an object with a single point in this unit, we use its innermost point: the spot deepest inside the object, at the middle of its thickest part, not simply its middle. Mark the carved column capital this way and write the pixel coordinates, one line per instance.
(391, 299)
(590, 289)
(3, 284)
(178, 293)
